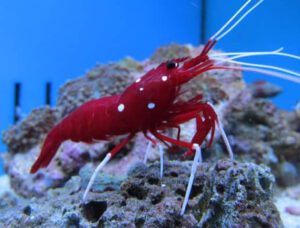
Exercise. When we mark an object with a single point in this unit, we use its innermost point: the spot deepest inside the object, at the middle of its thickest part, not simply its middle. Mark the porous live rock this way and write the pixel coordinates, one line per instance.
(288, 202)
(17, 168)
(30, 131)
(225, 194)
(70, 158)
(169, 52)
(294, 119)
(103, 80)
(264, 89)
(262, 133)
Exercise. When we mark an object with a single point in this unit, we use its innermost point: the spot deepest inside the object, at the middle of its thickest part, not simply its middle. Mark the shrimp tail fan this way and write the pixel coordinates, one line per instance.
(49, 150)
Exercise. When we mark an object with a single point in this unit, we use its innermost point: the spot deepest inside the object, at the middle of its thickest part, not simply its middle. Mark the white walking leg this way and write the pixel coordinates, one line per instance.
(222, 132)
(161, 154)
(147, 152)
(97, 170)
(225, 139)
(196, 161)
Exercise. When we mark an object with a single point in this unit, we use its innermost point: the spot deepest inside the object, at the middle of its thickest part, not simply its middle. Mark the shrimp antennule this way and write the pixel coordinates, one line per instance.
(219, 35)
(202, 62)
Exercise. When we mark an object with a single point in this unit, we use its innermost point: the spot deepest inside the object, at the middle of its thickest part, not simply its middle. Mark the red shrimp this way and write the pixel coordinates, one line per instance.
(148, 105)
(151, 104)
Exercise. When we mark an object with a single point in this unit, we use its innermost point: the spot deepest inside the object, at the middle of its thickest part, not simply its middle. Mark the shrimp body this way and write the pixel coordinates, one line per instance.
(146, 105)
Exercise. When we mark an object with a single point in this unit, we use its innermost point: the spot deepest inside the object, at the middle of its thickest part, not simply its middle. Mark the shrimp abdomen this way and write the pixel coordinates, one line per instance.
(49, 149)
(87, 123)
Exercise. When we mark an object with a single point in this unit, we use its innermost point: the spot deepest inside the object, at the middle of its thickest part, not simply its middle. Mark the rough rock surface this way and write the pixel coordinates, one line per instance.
(103, 80)
(29, 132)
(226, 194)
(263, 89)
(261, 133)
(288, 203)
(71, 157)
(171, 51)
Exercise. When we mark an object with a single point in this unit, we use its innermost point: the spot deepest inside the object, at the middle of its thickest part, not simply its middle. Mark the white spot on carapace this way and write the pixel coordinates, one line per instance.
(164, 78)
(138, 80)
(151, 105)
(141, 89)
(121, 107)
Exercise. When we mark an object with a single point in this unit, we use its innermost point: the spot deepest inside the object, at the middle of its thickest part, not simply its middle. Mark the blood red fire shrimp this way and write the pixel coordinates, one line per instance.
(151, 104)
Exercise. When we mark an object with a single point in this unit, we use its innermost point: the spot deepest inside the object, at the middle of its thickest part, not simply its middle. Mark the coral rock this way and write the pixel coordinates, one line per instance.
(262, 133)
(103, 80)
(31, 131)
(226, 194)
(263, 89)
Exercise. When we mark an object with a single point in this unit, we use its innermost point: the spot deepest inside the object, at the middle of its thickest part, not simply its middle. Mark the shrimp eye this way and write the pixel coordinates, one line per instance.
(171, 65)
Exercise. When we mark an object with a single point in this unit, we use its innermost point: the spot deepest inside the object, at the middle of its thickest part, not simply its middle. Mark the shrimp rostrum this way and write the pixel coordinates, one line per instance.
(152, 104)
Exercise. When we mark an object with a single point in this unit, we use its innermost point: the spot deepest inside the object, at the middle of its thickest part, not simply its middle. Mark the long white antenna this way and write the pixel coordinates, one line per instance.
(230, 20)
(272, 73)
(245, 54)
(260, 66)
(259, 70)
(276, 52)
(239, 20)
(289, 55)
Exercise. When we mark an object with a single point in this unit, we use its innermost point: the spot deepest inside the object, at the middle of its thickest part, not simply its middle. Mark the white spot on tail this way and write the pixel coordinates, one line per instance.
(164, 78)
(121, 107)
(138, 80)
(141, 89)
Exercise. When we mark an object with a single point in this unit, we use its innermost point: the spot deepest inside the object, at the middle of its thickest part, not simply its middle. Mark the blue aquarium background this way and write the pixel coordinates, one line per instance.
(44, 43)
